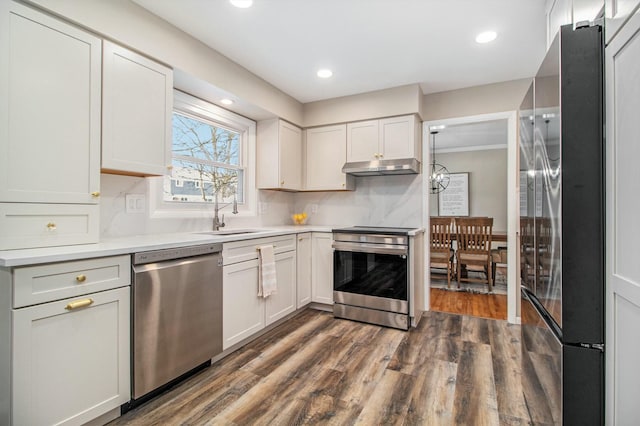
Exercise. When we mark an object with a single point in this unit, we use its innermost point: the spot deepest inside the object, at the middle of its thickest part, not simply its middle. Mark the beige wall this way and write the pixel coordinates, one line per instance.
(131, 25)
(487, 183)
(489, 98)
(381, 103)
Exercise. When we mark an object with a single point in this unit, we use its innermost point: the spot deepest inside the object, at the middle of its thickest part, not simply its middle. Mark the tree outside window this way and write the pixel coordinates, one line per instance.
(206, 161)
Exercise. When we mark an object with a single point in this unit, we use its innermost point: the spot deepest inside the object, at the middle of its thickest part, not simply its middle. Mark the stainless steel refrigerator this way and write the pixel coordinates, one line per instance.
(562, 232)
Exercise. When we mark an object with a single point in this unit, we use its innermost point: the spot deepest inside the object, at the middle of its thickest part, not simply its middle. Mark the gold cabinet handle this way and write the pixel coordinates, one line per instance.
(79, 304)
(95, 194)
(51, 226)
(81, 278)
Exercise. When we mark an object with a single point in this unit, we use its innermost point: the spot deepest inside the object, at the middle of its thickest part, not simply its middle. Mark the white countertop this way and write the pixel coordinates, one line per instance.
(137, 243)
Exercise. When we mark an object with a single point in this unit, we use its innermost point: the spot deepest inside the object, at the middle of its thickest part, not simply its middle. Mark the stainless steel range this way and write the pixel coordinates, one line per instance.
(370, 275)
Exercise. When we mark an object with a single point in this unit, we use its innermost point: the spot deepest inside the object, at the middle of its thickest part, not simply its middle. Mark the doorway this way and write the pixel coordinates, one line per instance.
(478, 151)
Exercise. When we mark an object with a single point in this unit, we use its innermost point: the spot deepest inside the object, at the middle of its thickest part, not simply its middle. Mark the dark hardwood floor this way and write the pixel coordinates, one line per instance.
(464, 303)
(315, 369)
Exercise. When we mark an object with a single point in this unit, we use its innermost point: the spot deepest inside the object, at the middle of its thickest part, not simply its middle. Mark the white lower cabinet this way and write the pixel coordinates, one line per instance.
(303, 273)
(322, 268)
(64, 341)
(282, 303)
(70, 365)
(244, 312)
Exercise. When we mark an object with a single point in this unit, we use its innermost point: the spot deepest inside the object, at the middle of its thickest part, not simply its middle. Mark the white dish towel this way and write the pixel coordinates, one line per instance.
(267, 283)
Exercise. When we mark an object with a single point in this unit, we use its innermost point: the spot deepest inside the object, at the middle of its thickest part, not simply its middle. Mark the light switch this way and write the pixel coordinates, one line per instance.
(134, 203)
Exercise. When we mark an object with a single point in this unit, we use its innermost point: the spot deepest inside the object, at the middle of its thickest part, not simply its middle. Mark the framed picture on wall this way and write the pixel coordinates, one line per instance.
(454, 200)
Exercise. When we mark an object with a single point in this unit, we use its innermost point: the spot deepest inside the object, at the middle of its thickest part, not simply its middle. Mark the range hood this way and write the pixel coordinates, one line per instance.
(404, 166)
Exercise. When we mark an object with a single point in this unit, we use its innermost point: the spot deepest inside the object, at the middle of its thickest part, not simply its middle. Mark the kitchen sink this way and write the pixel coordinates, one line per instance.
(231, 232)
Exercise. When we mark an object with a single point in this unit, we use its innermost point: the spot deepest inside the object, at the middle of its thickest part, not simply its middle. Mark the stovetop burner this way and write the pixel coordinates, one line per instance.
(373, 230)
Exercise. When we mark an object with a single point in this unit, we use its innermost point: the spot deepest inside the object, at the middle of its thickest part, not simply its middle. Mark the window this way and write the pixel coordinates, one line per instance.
(213, 153)
(206, 158)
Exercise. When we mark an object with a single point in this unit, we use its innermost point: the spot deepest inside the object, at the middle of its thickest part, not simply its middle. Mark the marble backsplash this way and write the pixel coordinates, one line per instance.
(377, 201)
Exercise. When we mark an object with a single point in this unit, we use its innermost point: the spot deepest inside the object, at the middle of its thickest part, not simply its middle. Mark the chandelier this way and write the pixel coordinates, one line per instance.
(439, 177)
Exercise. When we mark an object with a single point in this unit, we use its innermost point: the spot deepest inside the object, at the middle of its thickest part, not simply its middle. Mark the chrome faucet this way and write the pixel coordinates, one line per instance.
(217, 222)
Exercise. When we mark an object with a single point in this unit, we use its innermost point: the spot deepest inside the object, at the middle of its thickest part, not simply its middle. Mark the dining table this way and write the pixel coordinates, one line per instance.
(496, 236)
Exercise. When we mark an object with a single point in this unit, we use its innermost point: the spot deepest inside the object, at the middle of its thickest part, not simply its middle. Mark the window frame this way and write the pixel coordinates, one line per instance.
(246, 128)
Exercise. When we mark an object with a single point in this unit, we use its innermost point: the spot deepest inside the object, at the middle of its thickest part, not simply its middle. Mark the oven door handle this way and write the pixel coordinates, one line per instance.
(370, 248)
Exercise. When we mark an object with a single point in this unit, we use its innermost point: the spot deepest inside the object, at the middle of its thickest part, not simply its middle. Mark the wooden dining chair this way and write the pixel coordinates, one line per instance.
(442, 254)
(473, 236)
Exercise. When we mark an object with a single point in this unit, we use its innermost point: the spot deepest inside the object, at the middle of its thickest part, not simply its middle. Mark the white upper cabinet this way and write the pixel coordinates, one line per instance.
(399, 138)
(586, 10)
(50, 79)
(559, 14)
(326, 153)
(279, 164)
(137, 104)
(362, 141)
(616, 13)
(385, 139)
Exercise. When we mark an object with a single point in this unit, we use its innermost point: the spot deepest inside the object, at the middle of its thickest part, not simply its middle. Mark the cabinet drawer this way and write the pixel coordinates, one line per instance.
(53, 281)
(240, 251)
(25, 225)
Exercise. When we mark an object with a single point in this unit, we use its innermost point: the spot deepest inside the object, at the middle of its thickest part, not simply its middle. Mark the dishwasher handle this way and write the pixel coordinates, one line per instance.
(166, 264)
(162, 255)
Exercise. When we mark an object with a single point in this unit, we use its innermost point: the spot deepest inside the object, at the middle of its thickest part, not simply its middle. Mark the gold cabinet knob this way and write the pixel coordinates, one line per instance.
(81, 278)
(95, 194)
(78, 304)
(169, 167)
(343, 184)
(282, 183)
(380, 156)
(51, 226)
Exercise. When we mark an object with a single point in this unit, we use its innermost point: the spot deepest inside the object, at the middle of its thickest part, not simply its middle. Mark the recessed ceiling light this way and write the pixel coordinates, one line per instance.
(486, 37)
(243, 4)
(226, 101)
(325, 73)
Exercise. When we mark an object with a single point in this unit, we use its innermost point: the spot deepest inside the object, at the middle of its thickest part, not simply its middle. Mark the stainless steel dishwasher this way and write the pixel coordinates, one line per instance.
(177, 313)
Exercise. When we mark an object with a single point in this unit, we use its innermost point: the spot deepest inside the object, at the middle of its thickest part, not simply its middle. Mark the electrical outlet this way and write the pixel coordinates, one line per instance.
(263, 207)
(314, 208)
(134, 203)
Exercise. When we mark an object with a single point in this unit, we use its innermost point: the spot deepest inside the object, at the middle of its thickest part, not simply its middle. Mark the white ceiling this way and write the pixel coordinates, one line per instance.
(369, 44)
